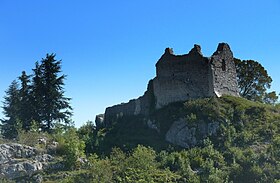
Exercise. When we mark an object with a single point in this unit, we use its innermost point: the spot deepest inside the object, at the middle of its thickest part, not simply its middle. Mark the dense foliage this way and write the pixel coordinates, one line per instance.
(53, 105)
(245, 149)
(253, 81)
(39, 101)
(10, 125)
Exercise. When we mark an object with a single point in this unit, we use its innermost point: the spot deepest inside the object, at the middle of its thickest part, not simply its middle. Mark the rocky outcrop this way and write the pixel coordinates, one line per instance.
(18, 160)
(183, 134)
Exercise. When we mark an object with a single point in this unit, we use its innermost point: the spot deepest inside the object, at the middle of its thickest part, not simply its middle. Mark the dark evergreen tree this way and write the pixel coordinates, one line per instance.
(37, 95)
(25, 114)
(11, 123)
(55, 106)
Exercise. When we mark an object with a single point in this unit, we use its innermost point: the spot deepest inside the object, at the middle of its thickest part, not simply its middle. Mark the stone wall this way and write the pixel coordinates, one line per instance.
(183, 77)
(224, 71)
(119, 111)
(140, 106)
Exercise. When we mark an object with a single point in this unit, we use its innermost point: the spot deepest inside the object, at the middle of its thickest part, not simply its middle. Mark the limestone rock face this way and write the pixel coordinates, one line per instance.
(18, 160)
(99, 120)
(153, 125)
(180, 134)
(183, 134)
(8, 151)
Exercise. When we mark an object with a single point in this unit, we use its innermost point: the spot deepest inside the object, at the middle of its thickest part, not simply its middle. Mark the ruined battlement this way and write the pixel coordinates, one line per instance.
(184, 77)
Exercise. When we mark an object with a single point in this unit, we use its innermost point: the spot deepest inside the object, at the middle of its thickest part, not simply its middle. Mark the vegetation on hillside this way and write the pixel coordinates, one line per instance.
(245, 148)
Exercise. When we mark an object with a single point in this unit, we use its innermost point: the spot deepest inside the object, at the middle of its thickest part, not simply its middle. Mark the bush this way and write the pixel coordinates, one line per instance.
(71, 148)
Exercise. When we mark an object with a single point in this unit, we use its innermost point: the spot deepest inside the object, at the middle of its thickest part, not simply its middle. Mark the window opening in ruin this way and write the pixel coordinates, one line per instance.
(224, 65)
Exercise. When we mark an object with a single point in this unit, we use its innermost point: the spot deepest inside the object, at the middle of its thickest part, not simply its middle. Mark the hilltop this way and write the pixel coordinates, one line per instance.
(183, 77)
(242, 135)
(188, 124)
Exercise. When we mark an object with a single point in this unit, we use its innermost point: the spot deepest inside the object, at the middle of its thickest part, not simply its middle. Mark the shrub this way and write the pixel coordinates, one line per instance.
(71, 147)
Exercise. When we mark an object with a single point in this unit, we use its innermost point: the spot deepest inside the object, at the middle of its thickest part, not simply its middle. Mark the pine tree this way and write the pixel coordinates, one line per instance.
(25, 114)
(55, 106)
(11, 124)
(36, 95)
(41, 103)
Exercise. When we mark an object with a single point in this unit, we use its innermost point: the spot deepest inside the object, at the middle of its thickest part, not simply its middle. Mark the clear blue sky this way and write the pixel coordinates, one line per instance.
(109, 48)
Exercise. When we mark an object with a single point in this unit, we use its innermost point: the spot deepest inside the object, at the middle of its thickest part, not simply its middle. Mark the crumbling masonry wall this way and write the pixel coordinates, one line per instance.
(189, 76)
(141, 106)
(224, 72)
(183, 77)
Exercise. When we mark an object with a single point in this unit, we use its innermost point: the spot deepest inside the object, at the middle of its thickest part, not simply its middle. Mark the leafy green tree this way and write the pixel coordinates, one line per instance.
(11, 123)
(270, 98)
(141, 166)
(117, 159)
(178, 162)
(71, 148)
(275, 148)
(50, 104)
(100, 169)
(253, 81)
(87, 134)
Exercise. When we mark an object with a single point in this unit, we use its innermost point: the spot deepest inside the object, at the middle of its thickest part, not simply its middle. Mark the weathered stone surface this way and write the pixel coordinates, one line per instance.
(183, 134)
(196, 50)
(140, 106)
(99, 120)
(8, 151)
(183, 77)
(18, 169)
(189, 76)
(18, 160)
(224, 72)
(153, 125)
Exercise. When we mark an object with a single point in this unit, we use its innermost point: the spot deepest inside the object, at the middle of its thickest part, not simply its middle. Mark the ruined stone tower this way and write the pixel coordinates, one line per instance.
(184, 77)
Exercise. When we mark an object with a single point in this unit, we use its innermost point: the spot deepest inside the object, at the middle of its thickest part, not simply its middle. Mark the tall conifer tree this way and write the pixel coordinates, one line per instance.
(55, 106)
(41, 101)
(36, 96)
(25, 114)
(11, 123)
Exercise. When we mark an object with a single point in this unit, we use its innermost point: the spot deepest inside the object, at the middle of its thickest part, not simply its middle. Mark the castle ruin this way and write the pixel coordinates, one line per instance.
(184, 77)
